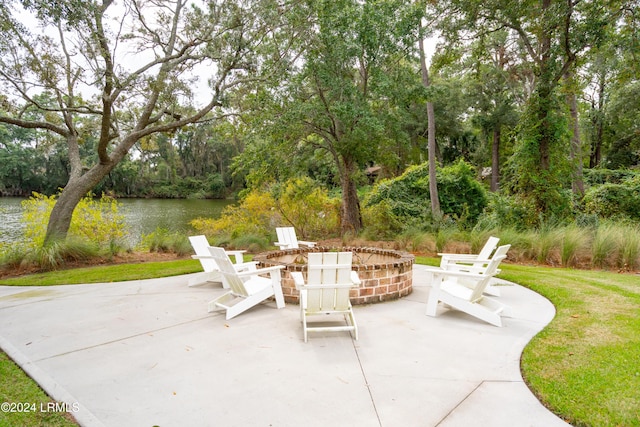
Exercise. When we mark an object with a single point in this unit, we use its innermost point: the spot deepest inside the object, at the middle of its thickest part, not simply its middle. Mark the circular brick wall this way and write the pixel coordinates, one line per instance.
(385, 274)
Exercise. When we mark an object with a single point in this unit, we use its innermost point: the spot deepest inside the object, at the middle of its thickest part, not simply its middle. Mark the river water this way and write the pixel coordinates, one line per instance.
(142, 216)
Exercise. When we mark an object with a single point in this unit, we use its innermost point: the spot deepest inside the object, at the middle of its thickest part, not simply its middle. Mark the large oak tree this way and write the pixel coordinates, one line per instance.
(122, 71)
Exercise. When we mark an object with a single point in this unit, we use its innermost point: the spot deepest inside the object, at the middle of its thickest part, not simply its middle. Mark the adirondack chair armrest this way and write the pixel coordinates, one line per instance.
(355, 278)
(468, 259)
(244, 266)
(450, 254)
(202, 257)
(433, 269)
(270, 270)
(453, 273)
(306, 243)
(237, 254)
(298, 279)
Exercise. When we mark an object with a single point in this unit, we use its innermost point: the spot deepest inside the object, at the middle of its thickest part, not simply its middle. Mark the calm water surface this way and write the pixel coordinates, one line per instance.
(142, 216)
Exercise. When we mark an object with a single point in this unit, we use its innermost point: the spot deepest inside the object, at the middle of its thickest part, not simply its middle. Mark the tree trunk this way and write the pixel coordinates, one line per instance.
(351, 219)
(544, 93)
(76, 188)
(431, 138)
(577, 183)
(598, 129)
(495, 160)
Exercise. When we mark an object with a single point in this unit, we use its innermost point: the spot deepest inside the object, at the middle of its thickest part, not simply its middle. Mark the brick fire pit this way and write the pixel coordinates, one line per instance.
(385, 274)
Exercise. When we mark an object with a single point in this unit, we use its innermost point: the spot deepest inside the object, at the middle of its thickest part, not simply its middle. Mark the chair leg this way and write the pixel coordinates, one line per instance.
(351, 320)
(277, 288)
(304, 327)
(220, 302)
(246, 303)
(205, 277)
(432, 303)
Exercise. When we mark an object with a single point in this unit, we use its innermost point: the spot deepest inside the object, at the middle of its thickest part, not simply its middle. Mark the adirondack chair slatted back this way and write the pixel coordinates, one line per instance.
(328, 268)
(201, 248)
(287, 235)
(488, 248)
(229, 273)
(492, 268)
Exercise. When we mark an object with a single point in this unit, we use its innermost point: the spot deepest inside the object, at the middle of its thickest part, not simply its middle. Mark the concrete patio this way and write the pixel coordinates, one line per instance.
(147, 353)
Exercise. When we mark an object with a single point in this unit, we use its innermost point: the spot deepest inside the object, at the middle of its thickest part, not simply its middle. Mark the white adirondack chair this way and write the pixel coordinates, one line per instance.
(450, 261)
(473, 263)
(463, 290)
(247, 288)
(211, 271)
(287, 239)
(326, 292)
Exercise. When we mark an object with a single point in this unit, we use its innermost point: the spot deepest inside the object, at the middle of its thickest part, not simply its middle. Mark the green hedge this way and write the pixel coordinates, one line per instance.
(461, 196)
(611, 176)
(615, 200)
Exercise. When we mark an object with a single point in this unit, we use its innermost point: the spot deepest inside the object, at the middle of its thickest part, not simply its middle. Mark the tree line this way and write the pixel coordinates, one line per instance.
(179, 98)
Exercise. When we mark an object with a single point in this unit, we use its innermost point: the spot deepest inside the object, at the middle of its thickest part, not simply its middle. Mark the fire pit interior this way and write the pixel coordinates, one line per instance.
(385, 274)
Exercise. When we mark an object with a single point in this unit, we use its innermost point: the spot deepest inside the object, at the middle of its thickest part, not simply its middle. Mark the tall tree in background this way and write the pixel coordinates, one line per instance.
(493, 89)
(337, 102)
(431, 136)
(575, 147)
(553, 35)
(130, 68)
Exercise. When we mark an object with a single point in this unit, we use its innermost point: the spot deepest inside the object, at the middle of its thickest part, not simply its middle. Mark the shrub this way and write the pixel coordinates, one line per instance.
(380, 222)
(599, 176)
(460, 195)
(255, 215)
(302, 203)
(96, 221)
(508, 212)
(615, 200)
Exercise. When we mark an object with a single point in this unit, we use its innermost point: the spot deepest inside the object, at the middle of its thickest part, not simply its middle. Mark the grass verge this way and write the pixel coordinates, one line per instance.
(106, 274)
(584, 366)
(27, 405)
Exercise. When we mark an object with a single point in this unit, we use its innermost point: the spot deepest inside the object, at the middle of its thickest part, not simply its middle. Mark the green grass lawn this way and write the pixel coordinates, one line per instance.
(584, 366)
(28, 404)
(106, 274)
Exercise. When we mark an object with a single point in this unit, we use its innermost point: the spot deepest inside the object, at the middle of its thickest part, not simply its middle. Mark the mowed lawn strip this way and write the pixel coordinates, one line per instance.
(585, 365)
(107, 274)
(25, 404)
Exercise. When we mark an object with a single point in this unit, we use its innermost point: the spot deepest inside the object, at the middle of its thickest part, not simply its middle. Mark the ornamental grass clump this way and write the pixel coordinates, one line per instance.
(604, 247)
(58, 253)
(544, 244)
(629, 249)
(162, 240)
(574, 241)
